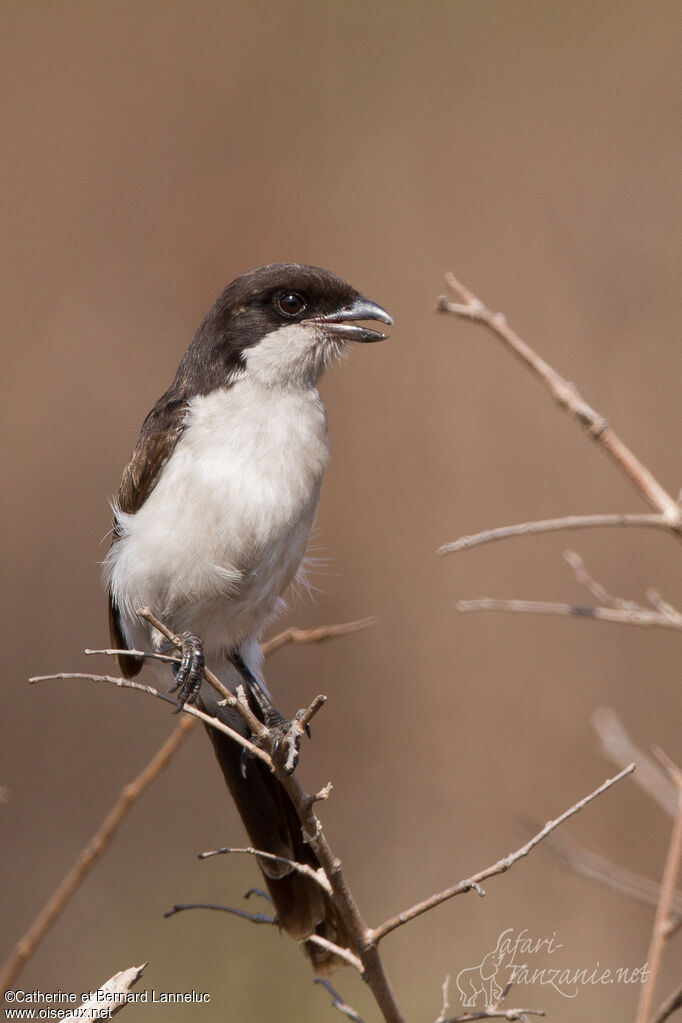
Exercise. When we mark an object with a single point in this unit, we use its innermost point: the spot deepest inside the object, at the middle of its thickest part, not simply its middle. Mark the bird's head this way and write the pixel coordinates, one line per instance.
(284, 323)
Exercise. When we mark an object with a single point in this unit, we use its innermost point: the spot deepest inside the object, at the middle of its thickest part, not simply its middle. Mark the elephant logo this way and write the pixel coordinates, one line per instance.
(474, 981)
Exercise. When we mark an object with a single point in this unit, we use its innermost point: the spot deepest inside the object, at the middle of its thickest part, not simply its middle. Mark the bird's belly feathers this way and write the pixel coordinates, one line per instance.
(224, 531)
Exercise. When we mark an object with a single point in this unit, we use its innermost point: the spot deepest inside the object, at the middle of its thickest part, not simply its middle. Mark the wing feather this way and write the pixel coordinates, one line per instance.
(160, 433)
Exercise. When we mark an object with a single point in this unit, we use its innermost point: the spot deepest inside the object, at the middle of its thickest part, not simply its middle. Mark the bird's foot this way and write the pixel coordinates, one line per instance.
(286, 737)
(189, 673)
(286, 740)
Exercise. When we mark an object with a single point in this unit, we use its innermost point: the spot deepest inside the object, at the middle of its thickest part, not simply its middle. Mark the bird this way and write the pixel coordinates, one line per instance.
(211, 523)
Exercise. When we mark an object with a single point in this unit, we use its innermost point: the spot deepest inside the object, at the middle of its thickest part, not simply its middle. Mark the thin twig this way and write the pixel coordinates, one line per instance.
(445, 1004)
(497, 868)
(595, 589)
(372, 966)
(643, 617)
(567, 522)
(317, 635)
(127, 798)
(213, 680)
(91, 854)
(317, 876)
(620, 749)
(672, 1003)
(128, 683)
(145, 655)
(338, 1002)
(661, 929)
(337, 950)
(567, 397)
(606, 873)
(254, 918)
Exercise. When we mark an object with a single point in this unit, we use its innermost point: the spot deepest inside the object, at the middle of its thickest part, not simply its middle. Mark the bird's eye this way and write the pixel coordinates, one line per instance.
(290, 304)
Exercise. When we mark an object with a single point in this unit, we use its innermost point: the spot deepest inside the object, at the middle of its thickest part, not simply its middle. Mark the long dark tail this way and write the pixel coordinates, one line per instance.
(272, 824)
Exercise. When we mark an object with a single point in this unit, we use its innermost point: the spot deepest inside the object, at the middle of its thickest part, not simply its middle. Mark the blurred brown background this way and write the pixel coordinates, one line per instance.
(153, 151)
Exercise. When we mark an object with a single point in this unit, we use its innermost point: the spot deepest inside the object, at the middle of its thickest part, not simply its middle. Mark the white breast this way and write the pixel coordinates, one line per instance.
(223, 533)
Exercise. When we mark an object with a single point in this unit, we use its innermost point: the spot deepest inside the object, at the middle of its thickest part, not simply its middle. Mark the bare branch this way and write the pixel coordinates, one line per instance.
(317, 876)
(254, 918)
(566, 395)
(608, 874)
(318, 635)
(567, 522)
(337, 950)
(445, 1005)
(672, 1003)
(620, 749)
(91, 854)
(497, 868)
(213, 680)
(110, 998)
(127, 683)
(594, 588)
(661, 930)
(129, 795)
(643, 617)
(145, 655)
(338, 1002)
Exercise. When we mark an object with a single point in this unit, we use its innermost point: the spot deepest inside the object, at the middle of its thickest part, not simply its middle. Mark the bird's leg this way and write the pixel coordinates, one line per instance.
(188, 674)
(285, 734)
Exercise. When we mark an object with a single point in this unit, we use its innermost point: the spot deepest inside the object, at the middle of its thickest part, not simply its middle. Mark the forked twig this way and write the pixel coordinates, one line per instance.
(473, 882)
(338, 1002)
(610, 608)
(567, 397)
(642, 617)
(301, 868)
(620, 749)
(129, 795)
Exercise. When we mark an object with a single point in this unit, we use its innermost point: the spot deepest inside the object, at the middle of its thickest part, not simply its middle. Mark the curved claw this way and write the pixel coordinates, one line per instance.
(189, 673)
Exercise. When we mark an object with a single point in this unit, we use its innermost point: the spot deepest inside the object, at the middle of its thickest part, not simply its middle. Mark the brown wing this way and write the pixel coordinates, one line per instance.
(160, 433)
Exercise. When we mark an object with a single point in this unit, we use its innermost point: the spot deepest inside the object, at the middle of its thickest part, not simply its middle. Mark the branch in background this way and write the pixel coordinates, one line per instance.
(473, 883)
(620, 749)
(608, 874)
(338, 1002)
(662, 923)
(566, 395)
(318, 635)
(110, 998)
(672, 1003)
(567, 522)
(91, 854)
(610, 609)
(128, 797)
(645, 618)
(254, 918)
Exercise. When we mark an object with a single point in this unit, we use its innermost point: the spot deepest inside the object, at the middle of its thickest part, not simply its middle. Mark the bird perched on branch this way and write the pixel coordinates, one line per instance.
(212, 519)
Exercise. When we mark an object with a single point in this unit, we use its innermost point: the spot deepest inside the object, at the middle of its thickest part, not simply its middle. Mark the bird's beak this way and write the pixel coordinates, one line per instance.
(336, 324)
